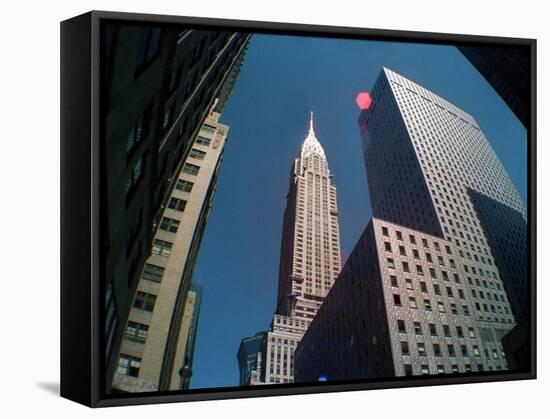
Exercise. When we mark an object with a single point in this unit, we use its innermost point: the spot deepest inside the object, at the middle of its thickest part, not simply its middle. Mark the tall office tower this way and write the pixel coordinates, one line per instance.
(158, 87)
(155, 344)
(508, 70)
(423, 291)
(310, 258)
(249, 358)
(189, 329)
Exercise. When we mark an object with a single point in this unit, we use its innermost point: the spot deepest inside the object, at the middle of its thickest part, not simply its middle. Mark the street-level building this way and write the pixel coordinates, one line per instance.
(156, 340)
(158, 86)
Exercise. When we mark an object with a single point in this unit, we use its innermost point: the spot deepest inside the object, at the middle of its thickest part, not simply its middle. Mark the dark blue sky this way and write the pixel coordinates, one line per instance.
(282, 80)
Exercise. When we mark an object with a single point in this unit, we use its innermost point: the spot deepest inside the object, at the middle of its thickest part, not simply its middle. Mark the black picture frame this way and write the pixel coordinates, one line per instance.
(81, 293)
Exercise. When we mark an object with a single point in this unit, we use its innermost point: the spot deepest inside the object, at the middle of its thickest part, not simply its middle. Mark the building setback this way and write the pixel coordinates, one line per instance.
(309, 263)
(424, 291)
(158, 86)
(155, 344)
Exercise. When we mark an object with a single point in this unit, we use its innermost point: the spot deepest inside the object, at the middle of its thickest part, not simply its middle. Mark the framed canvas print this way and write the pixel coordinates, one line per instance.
(254, 208)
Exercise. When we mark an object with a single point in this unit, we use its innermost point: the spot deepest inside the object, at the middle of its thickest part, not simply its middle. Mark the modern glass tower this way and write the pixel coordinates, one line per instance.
(310, 258)
(440, 274)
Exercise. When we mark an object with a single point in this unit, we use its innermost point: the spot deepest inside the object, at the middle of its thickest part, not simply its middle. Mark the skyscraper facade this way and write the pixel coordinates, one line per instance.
(310, 258)
(424, 292)
(158, 86)
(153, 351)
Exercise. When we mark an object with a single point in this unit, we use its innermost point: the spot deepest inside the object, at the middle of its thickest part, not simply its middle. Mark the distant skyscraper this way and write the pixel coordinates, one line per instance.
(310, 258)
(249, 358)
(431, 284)
(507, 69)
(155, 348)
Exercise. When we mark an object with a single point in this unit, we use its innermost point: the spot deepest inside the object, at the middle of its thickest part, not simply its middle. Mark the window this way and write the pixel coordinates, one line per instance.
(391, 263)
(464, 350)
(399, 235)
(419, 270)
(423, 286)
(197, 154)
(128, 365)
(453, 309)
(412, 239)
(396, 299)
(451, 350)
(148, 47)
(424, 369)
(169, 224)
(412, 302)
(161, 247)
(133, 179)
(402, 251)
(417, 328)
(459, 332)
(475, 349)
(446, 331)
(136, 331)
(466, 310)
(139, 130)
(393, 280)
(405, 348)
(144, 301)
(203, 140)
(191, 169)
(433, 329)
(437, 349)
(441, 306)
(449, 291)
(427, 305)
(184, 185)
(208, 128)
(416, 255)
(421, 349)
(401, 326)
(471, 332)
(406, 267)
(408, 282)
(176, 204)
(152, 273)
(437, 290)
(408, 369)
(387, 246)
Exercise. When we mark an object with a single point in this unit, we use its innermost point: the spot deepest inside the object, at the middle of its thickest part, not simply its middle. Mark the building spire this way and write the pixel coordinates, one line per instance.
(311, 130)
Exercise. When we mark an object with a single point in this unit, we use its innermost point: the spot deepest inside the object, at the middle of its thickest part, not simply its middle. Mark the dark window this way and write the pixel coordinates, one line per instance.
(169, 224)
(176, 204)
(184, 185)
(144, 301)
(153, 273)
(191, 169)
